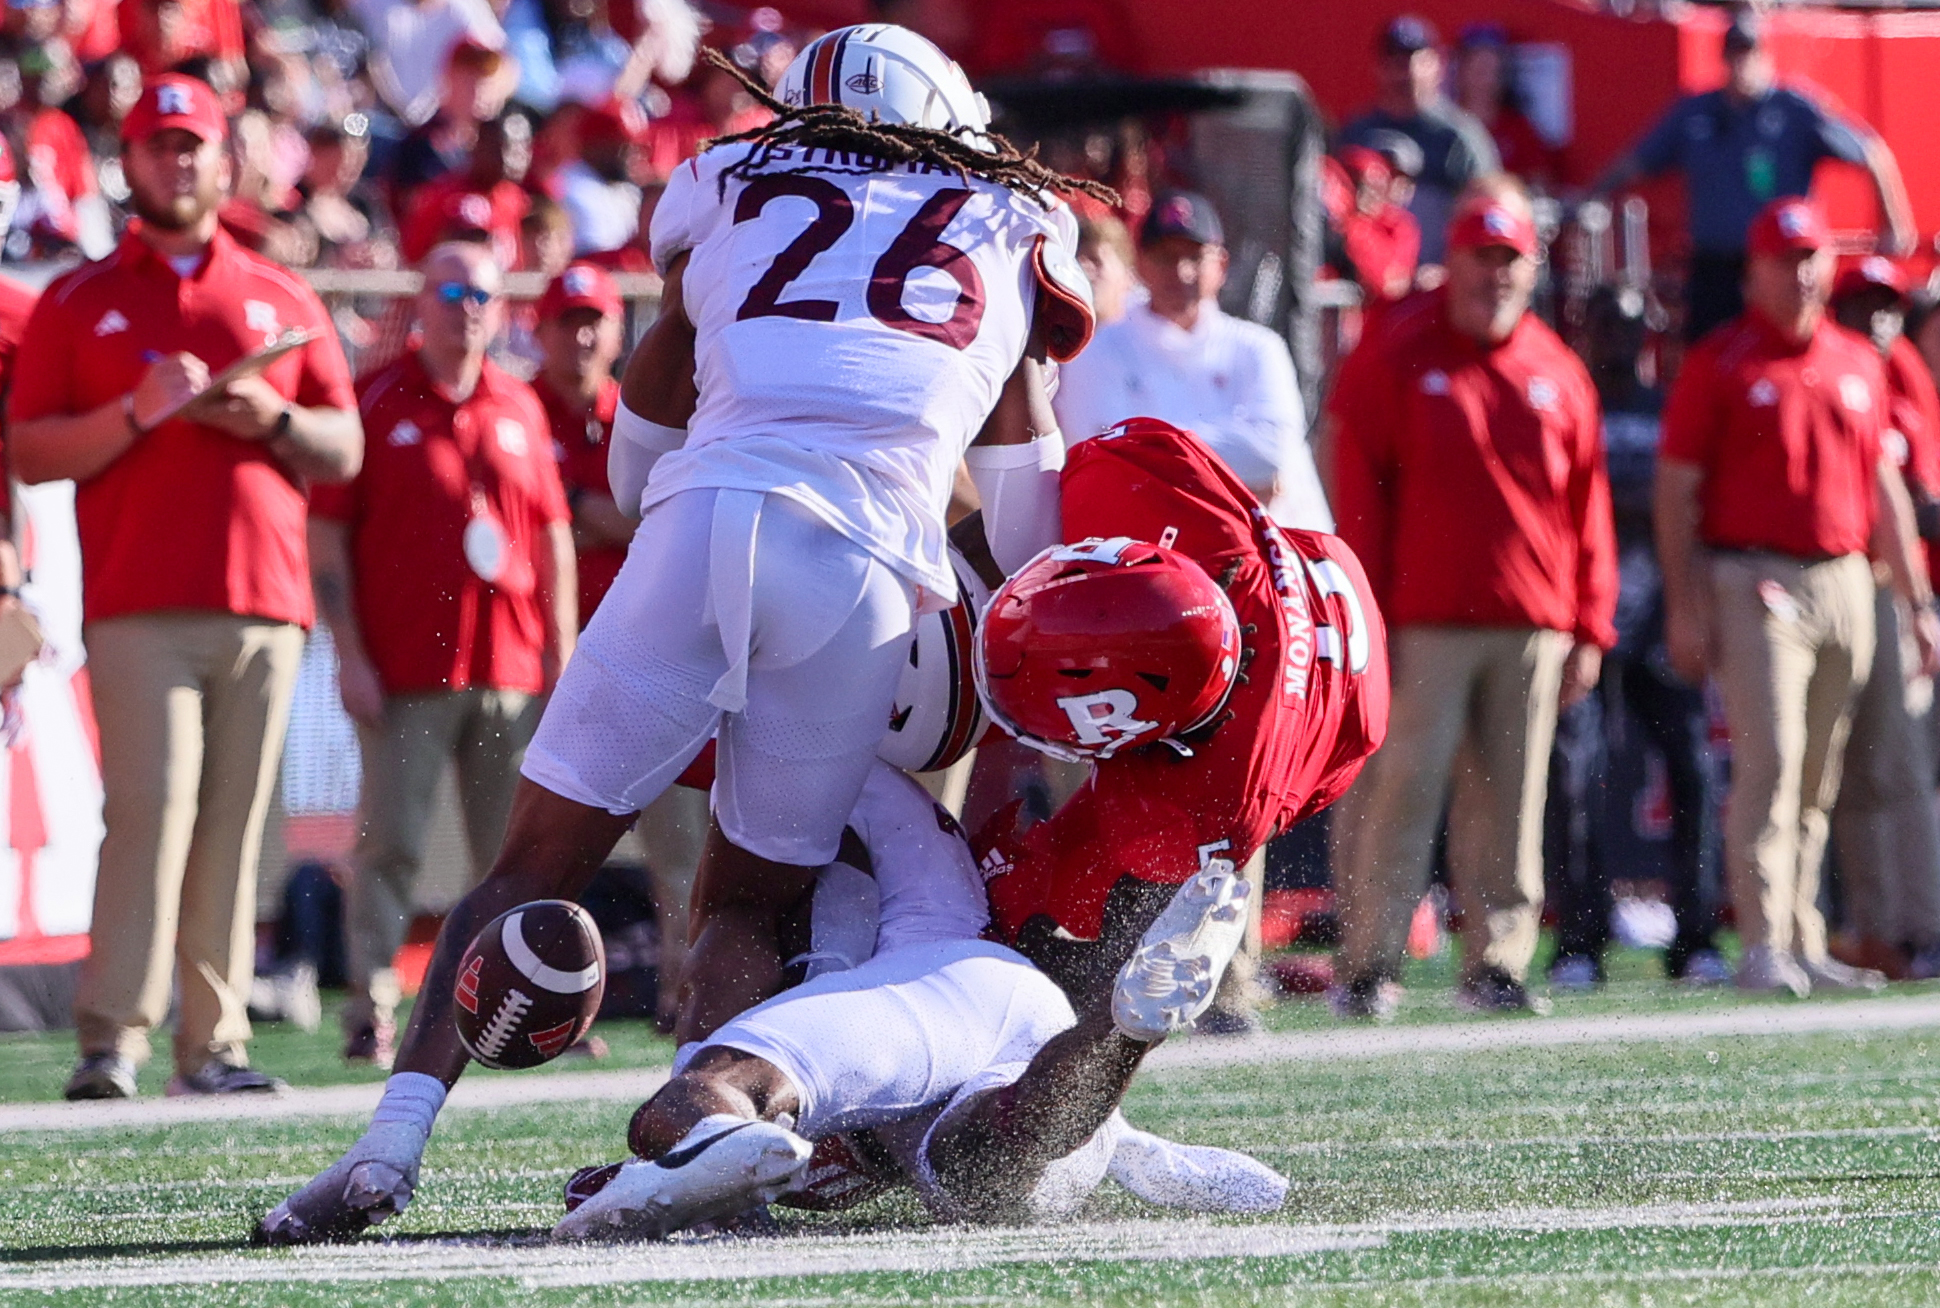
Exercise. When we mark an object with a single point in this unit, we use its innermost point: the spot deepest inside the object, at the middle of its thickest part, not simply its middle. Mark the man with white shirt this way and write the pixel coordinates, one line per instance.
(1179, 358)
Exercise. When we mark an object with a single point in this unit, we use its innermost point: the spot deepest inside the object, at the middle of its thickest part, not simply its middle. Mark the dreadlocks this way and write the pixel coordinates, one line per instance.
(840, 129)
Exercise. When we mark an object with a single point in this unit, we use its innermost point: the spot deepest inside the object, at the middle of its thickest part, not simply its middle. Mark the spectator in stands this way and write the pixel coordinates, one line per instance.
(1637, 679)
(1739, 148)
(1106, 255)
(484, 193)
(597, 188)
(167, 34)
(1380, 240)
(445, 571)
(712, 103)
(65, 208)
(411, 48)
(1179, 357)
(1469, 477)
(190, 506)
(1766, 582)
(1485, 87)
(473, 94)
(339, 206)
(1883, 826)
(545, 237)
(1455, 149)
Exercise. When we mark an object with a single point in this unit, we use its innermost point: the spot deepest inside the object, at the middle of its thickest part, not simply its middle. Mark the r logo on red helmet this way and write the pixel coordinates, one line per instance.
(1105, 718)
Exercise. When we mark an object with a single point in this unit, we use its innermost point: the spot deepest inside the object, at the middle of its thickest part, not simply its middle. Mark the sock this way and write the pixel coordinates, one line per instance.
(410, 1098)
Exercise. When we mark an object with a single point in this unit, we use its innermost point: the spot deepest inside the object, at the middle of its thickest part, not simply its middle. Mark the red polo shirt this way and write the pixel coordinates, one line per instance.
(1471, 481)
(579, 441)
(16, 303)
(1787, 436)
(189, 517)
(430, 623)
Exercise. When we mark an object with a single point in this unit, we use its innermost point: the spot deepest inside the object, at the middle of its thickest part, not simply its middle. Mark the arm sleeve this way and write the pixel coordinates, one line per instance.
(325, 382)
(1365, 408)
(635, 446)
(1265, 437)
(1019, 487)
(1659, 150)
(1835, 136)
(1596, 536)
(1691, 417)
(43, 366)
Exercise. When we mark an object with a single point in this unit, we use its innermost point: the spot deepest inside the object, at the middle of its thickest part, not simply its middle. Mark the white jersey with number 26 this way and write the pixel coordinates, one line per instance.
(854, 327)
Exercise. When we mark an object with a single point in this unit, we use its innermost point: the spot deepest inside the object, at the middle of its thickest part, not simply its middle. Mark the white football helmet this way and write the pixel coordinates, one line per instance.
(889, 73)
(936, 717)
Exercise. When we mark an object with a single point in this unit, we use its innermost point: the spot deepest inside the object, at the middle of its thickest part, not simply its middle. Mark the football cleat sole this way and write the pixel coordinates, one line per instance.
(716, 1171)
(1172, 976)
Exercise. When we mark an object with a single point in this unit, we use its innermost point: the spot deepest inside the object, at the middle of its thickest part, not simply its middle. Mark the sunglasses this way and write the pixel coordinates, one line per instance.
(454, 292)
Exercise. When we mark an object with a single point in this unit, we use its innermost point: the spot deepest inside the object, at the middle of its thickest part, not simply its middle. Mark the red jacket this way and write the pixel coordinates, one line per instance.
(1471, 480)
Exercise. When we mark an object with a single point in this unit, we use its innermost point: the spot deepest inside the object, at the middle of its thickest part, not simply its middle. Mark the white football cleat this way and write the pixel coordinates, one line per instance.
(724, 1166)
(1198, 1178)
(1171, 977)
(373, 1181)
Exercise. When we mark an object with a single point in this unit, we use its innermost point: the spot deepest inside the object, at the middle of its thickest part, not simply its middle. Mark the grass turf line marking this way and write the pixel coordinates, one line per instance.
(503, 1091)
(539, 1265)
(1542, 1033)
(498, 1091)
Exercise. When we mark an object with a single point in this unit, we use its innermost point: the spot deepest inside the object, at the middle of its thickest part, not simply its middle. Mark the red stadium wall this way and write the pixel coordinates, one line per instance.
(1879, 67)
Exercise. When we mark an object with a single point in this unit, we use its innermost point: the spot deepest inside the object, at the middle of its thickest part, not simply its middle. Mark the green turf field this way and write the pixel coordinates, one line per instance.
(1726, 1169)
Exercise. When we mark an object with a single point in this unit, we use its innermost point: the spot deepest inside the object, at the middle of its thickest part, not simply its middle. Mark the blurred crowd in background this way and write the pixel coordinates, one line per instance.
(367, 133)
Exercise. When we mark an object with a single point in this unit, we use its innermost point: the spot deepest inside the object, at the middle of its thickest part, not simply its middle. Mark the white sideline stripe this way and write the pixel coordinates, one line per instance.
(1542, 1033)
(537, 1265)
(1849, 1016)
(332, 1101)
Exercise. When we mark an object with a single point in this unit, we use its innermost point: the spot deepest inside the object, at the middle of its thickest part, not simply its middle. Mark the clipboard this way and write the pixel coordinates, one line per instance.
(247, 366)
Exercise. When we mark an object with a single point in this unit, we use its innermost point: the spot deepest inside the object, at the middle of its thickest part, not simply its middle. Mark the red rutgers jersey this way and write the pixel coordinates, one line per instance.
(1313, 706)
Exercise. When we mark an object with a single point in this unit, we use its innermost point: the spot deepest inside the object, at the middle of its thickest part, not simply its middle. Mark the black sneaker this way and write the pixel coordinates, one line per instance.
(219, 1078)
(1366, 997)
(101, 1076)
(374, 1044)
(1218, 1021)
(1493, 990)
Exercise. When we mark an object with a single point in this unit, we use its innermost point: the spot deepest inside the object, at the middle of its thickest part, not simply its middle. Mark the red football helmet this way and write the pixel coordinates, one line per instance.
(1106, 643)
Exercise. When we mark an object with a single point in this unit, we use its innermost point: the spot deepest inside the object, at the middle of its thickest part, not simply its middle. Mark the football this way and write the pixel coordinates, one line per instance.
(530, 984)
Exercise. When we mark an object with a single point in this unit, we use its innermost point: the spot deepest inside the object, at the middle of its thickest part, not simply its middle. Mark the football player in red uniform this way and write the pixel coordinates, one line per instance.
(1217, 717)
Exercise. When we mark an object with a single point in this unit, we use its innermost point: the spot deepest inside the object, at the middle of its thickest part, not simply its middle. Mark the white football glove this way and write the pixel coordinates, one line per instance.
(373, 1181)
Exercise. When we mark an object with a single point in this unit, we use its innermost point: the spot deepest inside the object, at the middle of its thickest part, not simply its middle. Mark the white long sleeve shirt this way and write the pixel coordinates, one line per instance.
(1228, 380)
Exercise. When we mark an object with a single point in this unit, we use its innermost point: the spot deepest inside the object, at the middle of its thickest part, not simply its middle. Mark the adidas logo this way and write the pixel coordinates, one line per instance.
(111, 322)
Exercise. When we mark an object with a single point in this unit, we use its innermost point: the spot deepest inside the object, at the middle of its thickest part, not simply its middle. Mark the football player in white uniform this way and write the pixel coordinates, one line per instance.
(944, 1061)
(858, 297)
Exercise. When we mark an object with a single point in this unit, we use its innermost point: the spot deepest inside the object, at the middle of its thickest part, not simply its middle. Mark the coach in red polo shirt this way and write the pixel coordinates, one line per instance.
(445, 571)
(1772, 484)
(1469, 478)
(190, 502)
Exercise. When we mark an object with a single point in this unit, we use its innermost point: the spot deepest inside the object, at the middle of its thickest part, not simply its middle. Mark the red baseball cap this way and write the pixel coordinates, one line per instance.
(1482, 221)
(580, 286)
(176, 100)
(1872, 272)
(1787, 226)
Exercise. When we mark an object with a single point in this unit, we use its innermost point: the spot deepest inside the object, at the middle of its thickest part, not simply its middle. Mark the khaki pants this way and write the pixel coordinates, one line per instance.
(1884, 824)
(192, 708)
(485, 733)
(1794, 646)
(1473, 716)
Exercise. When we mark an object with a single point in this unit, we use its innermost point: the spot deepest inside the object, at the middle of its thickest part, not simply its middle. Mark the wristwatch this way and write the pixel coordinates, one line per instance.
(282, 427)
